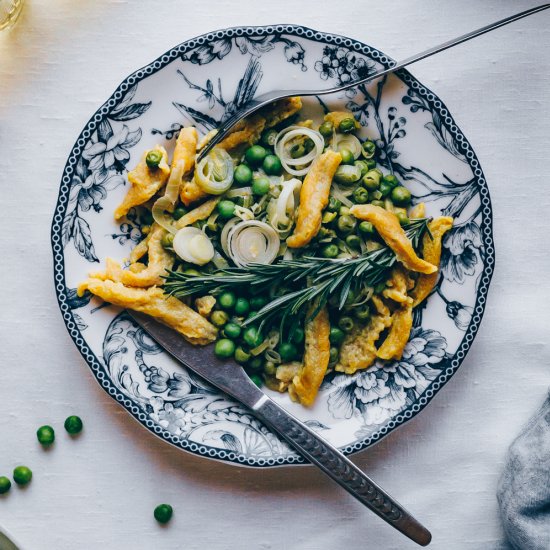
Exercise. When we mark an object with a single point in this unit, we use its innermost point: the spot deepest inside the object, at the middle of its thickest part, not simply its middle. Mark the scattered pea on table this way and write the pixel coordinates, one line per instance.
(163, 513)
(45, 435)
(73, 425)
(22, 475)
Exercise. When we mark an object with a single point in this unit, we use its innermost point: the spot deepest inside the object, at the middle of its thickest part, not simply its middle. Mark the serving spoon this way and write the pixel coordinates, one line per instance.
(265, 99)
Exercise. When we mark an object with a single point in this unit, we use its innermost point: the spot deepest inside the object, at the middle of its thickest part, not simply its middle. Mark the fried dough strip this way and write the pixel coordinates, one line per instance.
(400, 330)
(140, 249)
(152, 301)
(316, 358)
(394, 236)
(314, 197)
(186, 148)
(432, 253)
(200, 213)
(358, 349)
(398, 285)
(145, 182)
(160, 260)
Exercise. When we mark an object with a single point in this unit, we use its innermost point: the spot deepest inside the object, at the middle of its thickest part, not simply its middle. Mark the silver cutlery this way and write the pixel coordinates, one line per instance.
(265, 99)
(231, 378)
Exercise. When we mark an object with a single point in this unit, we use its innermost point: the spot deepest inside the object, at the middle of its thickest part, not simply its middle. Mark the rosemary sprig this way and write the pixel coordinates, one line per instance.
(294, 284)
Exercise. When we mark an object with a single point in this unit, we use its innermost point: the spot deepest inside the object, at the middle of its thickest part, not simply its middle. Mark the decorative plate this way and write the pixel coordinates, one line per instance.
(201, 82)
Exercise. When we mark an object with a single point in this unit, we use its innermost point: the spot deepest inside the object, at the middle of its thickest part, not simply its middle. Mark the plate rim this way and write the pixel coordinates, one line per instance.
(98, 370)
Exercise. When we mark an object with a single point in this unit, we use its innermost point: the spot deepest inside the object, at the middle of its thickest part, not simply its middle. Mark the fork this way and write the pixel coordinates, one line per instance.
(265, 99)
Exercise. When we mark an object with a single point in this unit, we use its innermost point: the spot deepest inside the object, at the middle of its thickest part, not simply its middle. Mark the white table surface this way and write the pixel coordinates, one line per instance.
(57, 66)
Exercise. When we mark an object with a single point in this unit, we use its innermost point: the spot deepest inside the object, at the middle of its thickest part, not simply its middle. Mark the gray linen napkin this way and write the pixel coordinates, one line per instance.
(524, 488)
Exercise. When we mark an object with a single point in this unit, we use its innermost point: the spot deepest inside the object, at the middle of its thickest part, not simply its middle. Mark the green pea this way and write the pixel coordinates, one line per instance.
(336, 336)
(270, 368)
(73, 424)
(298, 335)
(179, 212)
(344, 211)
(242, 307)
(309, 144)
(256, 363)
(272, 165)
(45, 435)
(257, 379)
(403, 218)
(346, 125)
(163, 513)
(391, 180)
(363, 165)
(371, 180)
(167, 240)
(226, 209)
(401, 196)
(347, 156)
(224, 348)
(22, 475)
(330, 251)
(227, 300)
(242, 174)
(219, 318)
(257, 302)
(334, 204)
(297, 151)
(326, 129)
(255, 155)
(353, 241)
(381, 204)
(369, 149)
(241, 356)
(5, 485)
(153, 159)
(252, 337)
(260, 185)
(347, 174)
(362, 312)
(346, 224)
(287, 351)
(328, 217)
(232, 330)
(334, 353)
(346, 323)
(385, 188)
(269, 137)
(371, 163)
(360, 195)
(366, 228)
(375, 195)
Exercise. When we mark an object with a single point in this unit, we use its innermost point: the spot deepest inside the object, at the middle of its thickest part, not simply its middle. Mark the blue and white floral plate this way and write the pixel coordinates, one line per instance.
(201, 82)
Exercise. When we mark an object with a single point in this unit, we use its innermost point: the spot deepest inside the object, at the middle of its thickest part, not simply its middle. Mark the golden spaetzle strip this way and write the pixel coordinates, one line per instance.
(145, 182)
(358, 350)
(186, 148)
(314, 197)
(397, 286)
(395, 342)
(432, 253)
(160, 260)
(418, 211)
(316, 358)
(152, 301)
(197, 214)
(394, 236)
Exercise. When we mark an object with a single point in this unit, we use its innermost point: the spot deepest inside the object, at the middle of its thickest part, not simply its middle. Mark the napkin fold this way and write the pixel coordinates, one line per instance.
(524, 488)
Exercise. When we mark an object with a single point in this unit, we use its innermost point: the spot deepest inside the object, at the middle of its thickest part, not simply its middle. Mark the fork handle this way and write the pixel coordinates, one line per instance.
(344, 472)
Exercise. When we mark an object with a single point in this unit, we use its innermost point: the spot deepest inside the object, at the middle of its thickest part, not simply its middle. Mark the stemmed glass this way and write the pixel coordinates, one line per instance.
(9, 12)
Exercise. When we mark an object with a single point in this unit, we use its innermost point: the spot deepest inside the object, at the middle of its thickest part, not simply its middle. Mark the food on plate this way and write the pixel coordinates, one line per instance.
(287, 246)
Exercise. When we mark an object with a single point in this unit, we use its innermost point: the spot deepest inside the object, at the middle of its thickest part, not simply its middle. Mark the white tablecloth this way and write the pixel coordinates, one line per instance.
(56, 67)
